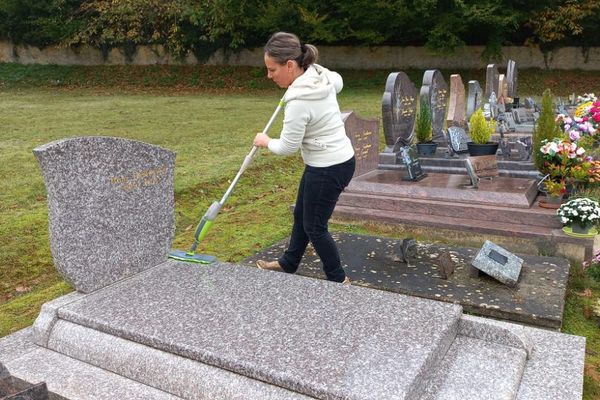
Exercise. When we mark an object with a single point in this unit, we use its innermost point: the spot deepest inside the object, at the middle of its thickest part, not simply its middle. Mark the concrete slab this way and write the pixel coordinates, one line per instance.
(538, 299)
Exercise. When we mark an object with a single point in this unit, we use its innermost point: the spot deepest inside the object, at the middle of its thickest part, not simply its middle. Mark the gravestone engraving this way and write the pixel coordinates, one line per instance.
(512, 79)
(398, 107)
(491, 80)
(474, 98)
(409, 157)
(456, 104)
(364, 135)
(435, 91)
(498, 263)
(458, 139)
(110, 206)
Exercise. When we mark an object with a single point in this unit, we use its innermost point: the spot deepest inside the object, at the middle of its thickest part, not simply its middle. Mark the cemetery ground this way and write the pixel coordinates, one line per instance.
(208, 116)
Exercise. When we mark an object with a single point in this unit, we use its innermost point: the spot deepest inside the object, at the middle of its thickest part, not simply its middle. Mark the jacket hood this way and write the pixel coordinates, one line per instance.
(316, 83)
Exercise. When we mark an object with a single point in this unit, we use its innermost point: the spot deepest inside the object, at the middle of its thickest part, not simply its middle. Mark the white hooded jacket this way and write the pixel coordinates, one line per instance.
(313, 121)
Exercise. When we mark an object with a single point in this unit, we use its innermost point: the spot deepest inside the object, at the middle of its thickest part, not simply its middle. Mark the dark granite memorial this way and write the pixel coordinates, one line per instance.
(491, 80)
(474, 98)
(364, 135)
(435, 91)
(538, 298)
(398, 108)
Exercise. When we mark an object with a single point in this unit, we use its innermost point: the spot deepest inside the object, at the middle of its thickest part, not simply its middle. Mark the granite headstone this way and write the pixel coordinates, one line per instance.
(409, 157)
(456, 104)
(474, 98)
(458, 139)
(435, 91)
(512, 78)
(491, 80)
(364, 135)
(498, 263)
(398, 107)
(110, 206)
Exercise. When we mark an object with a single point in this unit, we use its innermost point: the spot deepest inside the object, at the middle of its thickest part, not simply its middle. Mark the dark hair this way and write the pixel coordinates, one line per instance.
(283, 46)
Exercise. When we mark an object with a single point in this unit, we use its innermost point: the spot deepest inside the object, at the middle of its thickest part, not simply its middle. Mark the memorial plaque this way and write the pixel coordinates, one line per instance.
(398, 107)
(110, 206)
(435, 91)
(458, 139)
(364, 135)
(498, 263)
(409, 157)
(512, 79)
(485, 166)
(491, 80)
(457, 103)
(474, 98)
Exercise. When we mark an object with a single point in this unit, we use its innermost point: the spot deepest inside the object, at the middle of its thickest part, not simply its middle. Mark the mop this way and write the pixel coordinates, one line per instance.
(212, 212)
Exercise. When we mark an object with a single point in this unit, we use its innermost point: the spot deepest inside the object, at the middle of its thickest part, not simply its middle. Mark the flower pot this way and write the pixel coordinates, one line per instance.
(582, 229)
(551, 199)
(426, 149)
(486, 149)
(551, 202)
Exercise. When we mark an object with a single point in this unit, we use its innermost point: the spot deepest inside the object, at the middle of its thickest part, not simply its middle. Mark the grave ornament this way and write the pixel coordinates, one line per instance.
(498, 263)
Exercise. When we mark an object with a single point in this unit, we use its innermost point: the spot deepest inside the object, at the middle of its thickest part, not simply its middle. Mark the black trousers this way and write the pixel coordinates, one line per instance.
(318, 194)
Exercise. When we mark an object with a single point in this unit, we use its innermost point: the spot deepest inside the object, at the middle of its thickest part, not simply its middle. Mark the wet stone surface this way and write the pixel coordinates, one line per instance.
(537, 299)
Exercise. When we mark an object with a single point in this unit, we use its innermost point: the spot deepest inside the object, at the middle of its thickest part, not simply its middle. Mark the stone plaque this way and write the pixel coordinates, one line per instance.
(409, 157)
(512, 78)
(474, 98)
(364, 135)
(456, 104)
(458, 139)
(435, 91)
(491, 80)
(398, 107)
(498, 263)
(485, 166)
(502, 87)
(110, 206)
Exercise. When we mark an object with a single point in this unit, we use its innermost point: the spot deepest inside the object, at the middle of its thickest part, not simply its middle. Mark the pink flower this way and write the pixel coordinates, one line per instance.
(596, 104)
(596, 117)
(585, 119)
(567, 127)
(574, 135)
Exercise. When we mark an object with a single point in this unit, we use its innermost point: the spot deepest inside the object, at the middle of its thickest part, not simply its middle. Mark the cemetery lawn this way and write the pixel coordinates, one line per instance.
(211, 130)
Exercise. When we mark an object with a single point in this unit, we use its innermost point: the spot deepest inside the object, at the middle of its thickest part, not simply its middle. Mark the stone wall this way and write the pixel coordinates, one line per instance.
(383, 57)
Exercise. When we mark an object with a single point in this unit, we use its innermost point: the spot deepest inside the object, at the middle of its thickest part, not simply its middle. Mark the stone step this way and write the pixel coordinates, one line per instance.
(536, 215)
(514, 229)
(475, 369)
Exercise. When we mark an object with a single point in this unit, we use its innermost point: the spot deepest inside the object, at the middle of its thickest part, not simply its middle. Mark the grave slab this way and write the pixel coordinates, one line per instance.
(370, 261)
(517, 192)
(318, 338)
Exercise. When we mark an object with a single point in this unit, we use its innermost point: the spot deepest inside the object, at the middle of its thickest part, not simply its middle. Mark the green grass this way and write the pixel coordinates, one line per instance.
(208, 116)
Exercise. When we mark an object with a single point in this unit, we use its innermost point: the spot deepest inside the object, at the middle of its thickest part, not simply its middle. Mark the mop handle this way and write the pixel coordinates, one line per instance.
(250, 155)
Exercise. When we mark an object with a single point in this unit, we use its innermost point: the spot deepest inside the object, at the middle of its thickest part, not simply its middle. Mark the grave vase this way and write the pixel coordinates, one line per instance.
(426, 149)
(554, 200)
(487, 149)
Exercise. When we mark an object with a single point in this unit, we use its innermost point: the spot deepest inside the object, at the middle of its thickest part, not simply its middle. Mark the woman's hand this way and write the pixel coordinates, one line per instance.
(261, 140)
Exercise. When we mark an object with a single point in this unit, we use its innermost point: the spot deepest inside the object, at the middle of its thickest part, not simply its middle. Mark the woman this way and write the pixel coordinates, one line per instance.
(313, 124)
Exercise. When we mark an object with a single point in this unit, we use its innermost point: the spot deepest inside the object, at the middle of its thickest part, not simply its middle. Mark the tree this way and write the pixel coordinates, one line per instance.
(546, 128)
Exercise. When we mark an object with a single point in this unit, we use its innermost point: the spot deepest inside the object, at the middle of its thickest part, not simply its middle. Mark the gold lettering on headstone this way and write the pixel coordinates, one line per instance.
(139, 179)
(362, 145)
(440, 102)
(407, 105)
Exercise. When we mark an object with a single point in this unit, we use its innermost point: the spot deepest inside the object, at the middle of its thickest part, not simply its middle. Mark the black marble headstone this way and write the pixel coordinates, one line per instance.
(474, 98)
(435, 91)
(408, 156)
(398, 107)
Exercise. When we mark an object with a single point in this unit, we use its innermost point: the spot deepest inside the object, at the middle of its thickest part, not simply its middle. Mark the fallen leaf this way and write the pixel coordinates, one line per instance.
(189, 228)
(22, 289)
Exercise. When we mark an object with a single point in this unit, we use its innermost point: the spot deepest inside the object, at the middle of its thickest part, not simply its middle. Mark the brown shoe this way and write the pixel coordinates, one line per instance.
(270, 265)
(347, 282)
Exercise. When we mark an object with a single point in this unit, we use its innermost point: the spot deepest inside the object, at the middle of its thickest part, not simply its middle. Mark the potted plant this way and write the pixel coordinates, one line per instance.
(423, 130)
(555, 191)
(480, 131)
(579, 216)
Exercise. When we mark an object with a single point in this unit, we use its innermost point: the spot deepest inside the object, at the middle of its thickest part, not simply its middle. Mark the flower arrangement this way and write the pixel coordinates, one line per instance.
(555, 188)
(586, 97)
(559, 156)
(577, 127)
(582, 211)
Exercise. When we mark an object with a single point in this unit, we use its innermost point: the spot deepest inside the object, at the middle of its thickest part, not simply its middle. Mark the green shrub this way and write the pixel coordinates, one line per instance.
(546, 128)
(423, 129)
(480, 130)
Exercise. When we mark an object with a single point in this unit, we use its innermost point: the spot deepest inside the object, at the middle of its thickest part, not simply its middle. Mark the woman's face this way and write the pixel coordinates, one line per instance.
(282, 74)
